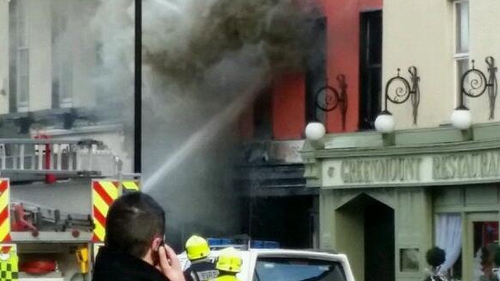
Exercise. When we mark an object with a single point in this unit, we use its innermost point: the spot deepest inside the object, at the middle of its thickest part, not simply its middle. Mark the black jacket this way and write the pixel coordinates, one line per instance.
(201, 271)
(112, 265)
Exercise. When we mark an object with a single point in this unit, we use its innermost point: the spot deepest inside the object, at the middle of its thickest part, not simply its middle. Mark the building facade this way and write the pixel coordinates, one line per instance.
(344, 64)
(49, 75)
(387, 197)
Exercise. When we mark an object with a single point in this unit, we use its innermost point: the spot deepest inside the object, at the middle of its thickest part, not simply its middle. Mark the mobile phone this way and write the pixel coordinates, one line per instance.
(162, 242)
(156, 253)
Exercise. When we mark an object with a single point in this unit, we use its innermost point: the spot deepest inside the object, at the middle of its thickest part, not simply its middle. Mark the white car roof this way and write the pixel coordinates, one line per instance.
(247, 254)
(283, 252)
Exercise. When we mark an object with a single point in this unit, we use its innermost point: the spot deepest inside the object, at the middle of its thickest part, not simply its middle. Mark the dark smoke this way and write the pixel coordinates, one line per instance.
(199, 56)
(199, 34)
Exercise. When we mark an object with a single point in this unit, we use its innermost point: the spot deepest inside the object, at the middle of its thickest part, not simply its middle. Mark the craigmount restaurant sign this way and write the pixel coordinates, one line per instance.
(413, 170)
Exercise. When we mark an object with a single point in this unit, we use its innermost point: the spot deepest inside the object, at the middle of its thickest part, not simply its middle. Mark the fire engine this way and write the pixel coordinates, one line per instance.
(55, 243)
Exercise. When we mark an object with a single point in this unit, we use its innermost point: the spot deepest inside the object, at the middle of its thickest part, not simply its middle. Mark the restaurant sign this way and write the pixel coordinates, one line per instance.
(412, 170)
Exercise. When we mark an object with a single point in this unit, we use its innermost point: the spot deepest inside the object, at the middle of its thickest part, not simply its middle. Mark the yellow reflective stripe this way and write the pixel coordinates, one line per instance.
(110, 189)
(130, 185)
(4, 204)
(15, 262)
(99, 230)
(4, 229)
(4, 199)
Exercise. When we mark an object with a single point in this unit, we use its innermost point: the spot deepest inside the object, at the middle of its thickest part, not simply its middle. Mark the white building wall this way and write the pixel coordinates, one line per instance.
(81, 41)
(4, 58)
(484, 41)
(422, 33)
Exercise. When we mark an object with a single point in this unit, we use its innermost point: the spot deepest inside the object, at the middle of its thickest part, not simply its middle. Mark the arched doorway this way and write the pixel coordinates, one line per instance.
(365, 232)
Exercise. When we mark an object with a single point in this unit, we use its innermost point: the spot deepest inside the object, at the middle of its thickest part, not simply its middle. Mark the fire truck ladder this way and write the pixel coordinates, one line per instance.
(38, 218)
(58, 157)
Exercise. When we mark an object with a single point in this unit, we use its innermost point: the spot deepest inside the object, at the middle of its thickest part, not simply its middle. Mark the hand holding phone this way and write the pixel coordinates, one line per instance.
(169, 264)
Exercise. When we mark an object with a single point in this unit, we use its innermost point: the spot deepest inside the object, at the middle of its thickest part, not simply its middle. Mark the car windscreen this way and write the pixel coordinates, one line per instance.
(298, 269)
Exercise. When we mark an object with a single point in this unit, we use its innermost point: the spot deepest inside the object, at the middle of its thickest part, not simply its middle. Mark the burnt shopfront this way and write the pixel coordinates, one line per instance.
(386, 205)
(277, 205)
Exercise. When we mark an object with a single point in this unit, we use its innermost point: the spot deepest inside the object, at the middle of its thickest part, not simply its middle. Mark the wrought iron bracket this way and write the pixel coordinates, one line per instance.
(474, 84)
(328, 98)
(398, 90)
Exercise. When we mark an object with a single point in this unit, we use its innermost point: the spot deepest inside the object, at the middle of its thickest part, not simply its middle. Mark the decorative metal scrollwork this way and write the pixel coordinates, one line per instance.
(474, 84)
(329, 99)
(398, 90)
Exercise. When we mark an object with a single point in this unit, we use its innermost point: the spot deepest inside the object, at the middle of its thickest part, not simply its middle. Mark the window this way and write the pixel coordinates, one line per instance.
(22, 56)
(19, 54)
(485, 238)
(262, 116)
(461, 40)
(62, 56)
(370, 68)
(298, 269)
(448, 236)
(316, 71)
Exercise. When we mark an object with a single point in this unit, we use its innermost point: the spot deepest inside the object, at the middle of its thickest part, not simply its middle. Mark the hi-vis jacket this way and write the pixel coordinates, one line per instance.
(201, 271)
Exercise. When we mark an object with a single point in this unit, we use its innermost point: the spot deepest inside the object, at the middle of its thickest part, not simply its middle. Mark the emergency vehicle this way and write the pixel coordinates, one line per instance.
(51, 232)
(266, 261)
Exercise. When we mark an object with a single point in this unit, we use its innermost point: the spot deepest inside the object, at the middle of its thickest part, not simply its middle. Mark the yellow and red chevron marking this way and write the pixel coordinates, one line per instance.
(4, 211)
(132, 185)
(104, 193)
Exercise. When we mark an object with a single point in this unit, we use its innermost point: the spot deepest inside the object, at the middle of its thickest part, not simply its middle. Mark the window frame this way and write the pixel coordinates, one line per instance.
(460, 57)
(62, 60)
(316, 74)
(22, 73)
(370, 101)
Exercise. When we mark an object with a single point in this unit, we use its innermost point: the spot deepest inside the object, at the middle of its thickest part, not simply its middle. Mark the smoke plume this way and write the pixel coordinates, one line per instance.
(204, 61)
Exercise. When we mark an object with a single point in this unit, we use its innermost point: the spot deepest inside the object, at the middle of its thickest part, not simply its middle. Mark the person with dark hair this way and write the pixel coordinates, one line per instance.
(134, 248)
(435, 257)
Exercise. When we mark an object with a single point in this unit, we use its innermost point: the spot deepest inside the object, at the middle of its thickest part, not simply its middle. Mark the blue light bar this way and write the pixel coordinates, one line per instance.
(213, 241)
(260, 244)
(219, 241)
(255, 244)
(271, 244)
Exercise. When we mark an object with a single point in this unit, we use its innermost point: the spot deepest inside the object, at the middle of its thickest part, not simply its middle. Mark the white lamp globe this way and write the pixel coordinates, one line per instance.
(461, 118)
(315, 131)
(384, 123)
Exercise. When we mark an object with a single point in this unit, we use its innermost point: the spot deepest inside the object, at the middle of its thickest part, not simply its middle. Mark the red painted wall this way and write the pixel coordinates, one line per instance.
(288, 105)
(343, 54)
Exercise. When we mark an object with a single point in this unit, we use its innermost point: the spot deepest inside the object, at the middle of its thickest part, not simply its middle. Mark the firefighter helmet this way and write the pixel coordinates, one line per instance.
(229, 260)
(197, 248)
